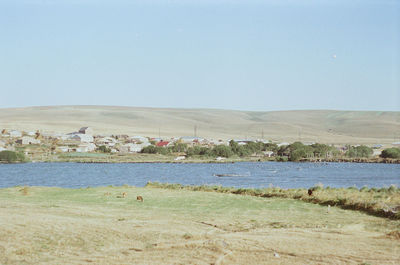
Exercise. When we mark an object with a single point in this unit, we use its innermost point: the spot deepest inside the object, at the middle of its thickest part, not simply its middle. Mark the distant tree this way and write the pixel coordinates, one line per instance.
(104, 149)
(179, 147)
(359, 151)
(270, 147)
(198, 150)
(234, 146)
(391, 153)
(10, 156)
(151, 149)
(222, 150)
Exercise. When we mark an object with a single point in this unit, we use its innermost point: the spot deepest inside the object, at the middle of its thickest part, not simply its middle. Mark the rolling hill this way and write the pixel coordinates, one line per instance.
(328, 126)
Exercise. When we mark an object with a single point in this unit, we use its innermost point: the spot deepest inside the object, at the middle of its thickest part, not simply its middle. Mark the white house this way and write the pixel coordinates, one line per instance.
(141, 139)
(282, 144)
(62, 149)
(88, 147)
(268, 153)
(377, 152)
(28, 140)
(191, 139)
(31, 133)
(83, 138)
(109, 141)
(132, 148)
(15, 133)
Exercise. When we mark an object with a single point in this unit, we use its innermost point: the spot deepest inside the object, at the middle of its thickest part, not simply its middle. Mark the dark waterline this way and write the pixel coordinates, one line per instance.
(254, 175)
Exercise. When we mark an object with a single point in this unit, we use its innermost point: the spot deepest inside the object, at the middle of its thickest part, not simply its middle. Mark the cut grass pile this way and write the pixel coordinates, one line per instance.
(383, 202)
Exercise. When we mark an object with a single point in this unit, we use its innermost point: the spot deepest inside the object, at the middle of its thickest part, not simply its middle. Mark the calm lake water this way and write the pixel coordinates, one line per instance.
(257, 175)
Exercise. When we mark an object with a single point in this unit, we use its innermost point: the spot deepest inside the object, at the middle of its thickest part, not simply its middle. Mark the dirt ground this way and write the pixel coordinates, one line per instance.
(100, 226)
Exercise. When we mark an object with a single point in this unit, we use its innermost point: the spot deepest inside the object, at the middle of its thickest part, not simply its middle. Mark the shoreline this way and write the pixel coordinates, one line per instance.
(90, 160)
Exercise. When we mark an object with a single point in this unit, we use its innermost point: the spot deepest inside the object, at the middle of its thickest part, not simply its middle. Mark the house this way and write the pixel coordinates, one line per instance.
(31, 133)
(86, 130)
(108, 141)
(15, 133)
(84, 148)
(282, 144)
(377, 152)
(190, 139)
(28, 140)
(162, 143)
(83, 138)
(268, 153)
(132, 148)
(139, 139)
(63, 149)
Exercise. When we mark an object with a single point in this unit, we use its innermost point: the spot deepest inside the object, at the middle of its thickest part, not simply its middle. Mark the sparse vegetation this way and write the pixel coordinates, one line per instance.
(55, 225)
(12, 157)
(104, 149)
(359, 151)
(391, 153)
(381, 202)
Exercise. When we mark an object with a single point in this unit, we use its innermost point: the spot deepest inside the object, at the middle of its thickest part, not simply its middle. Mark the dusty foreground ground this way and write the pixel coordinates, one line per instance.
(100, 226)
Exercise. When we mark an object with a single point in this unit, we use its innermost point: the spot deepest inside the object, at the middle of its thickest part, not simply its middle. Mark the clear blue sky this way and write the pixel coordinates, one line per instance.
(229, 54)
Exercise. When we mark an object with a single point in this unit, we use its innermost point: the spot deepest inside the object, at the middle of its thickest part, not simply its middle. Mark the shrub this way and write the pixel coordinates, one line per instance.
(359, 151)
(222, 150)
(10, 156)
(391, 153)
(104, 149)
(282, 158)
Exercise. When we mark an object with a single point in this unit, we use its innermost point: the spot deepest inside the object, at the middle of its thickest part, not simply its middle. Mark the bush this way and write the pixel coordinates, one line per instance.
(359, 151)
(282, 158)
(391, 153)
(104, 149)
(10, 156)
(222, 150)
(151, 149)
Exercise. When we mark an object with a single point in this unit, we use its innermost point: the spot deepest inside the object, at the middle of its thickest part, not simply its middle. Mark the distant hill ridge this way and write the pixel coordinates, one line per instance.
(328, 126)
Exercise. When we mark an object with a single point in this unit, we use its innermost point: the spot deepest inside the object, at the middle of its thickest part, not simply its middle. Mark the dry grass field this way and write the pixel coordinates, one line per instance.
(41, 225)
(325, 126)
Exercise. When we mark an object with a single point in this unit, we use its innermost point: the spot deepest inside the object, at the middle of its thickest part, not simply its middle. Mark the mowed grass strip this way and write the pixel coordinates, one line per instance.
(107, 225)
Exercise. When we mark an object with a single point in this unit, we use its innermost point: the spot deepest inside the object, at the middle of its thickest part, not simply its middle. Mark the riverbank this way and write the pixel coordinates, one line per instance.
(102, 226)
(171, 158)
(384, 202)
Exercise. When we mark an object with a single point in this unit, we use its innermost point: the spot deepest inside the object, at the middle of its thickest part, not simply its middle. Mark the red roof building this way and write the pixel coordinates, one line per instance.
(162, 143)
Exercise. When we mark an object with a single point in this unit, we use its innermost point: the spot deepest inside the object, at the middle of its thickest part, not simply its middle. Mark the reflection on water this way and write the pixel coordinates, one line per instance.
(243, 174)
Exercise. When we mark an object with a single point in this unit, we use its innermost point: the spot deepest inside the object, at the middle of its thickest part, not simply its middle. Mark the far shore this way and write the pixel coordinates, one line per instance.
(148, 158)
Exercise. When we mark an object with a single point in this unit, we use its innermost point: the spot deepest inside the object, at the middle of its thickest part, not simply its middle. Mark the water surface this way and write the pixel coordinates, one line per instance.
(255, 175)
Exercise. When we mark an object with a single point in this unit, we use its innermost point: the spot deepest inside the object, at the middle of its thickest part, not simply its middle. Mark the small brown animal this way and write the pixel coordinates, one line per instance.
(139, 198)
(309, 192)
(124, 194)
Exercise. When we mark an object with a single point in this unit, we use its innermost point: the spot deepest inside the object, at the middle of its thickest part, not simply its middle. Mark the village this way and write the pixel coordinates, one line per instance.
(40, 146)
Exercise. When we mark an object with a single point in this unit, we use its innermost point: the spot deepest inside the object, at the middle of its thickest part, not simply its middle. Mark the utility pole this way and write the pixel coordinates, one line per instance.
(300, 134)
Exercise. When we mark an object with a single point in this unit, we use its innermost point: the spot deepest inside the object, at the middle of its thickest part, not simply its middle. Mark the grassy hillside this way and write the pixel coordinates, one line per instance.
(41, 225)
(308, 125)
